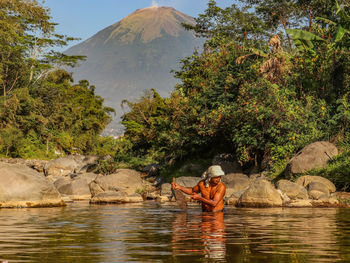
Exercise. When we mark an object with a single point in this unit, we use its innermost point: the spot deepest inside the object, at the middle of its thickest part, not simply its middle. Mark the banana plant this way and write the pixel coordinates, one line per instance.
(305, 41)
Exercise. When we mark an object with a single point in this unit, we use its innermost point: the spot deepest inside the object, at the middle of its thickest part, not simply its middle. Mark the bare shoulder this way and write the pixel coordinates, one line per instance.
(201, 184)
(221, 186)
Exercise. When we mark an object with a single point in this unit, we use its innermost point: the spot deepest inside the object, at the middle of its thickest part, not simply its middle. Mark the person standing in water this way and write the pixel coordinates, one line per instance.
(212, 190)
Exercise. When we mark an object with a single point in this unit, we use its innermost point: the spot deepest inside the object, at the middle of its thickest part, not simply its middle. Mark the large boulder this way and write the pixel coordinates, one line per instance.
(126, 180)
(76, 189)
(260, 193)
(318, 190)
(88, 177)
(165, 189)
(87, 164)
(21, 186)
(63, 166)
(292, 190)
(315, 155)
(112, 197)
(307, 179)
(235, 182)
(188, 181)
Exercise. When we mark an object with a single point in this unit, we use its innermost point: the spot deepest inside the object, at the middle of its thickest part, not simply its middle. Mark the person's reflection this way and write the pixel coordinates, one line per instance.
(202, 234)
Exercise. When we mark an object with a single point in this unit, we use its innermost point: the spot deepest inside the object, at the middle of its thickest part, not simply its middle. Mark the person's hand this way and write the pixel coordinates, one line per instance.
(175, 185)
(195, 196)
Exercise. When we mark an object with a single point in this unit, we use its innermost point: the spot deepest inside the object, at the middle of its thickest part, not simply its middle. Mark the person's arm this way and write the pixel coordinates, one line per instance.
(219, 195)
(186, 190)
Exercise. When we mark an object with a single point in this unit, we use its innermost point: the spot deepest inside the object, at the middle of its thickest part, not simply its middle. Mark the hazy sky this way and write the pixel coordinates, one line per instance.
(84, 18)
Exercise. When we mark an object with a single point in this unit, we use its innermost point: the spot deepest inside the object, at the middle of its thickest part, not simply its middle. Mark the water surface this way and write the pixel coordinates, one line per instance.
(151, 232)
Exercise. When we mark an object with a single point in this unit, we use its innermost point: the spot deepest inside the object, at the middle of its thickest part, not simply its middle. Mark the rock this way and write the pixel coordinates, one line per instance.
(260, 193)
(188, 181)
(165, 189)
(235, 182)
(62, 166)
(87, 164)
(53, 178)
(95, 189)
(285, 198)
(231, 201)
(314, 155)
(123, 180)
(115, 198)
(67, 199)
(163, 198)
(151, 170)
(228, 163)
(341, 196)
(155, 180)
(76, 189)
(317, 186)
(292, 190)
(21, 186)
(62, 181)
(152, 196)
(306, 179)
(88, 177)
(35, 164)
(314, 194)
(299, 203)
(325, 201)
(233, 198)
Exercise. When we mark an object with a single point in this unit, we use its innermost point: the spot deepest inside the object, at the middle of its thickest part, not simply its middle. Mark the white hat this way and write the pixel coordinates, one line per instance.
(213, 171)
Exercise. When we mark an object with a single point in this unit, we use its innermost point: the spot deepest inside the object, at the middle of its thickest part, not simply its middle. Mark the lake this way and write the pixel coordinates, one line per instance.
(154, 232)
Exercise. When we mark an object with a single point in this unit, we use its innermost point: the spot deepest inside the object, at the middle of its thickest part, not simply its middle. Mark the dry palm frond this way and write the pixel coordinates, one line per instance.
(275, 42)
(273, 68)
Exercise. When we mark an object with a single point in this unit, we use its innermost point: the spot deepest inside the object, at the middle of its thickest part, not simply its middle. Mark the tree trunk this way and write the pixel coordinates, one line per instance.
(47, 147)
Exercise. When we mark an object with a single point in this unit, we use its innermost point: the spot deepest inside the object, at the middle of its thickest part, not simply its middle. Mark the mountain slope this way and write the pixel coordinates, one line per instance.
(136, 54)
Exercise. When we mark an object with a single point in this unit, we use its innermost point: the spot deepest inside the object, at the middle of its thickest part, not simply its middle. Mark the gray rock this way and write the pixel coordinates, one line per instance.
(188, 181)
(165, 189)
(62, 181)
(95, 189)
(292, 190)
(88, 177)
(116, 198)
(318, 186)
(307, 179)
(299, 203)
(235, 182)
(151, 170)
(123, 180)
(87, 164)
(77, 190)
(21, 186)
(314, 155)
(260, 193)
(285, 198)
(62, 166)
(315, 194)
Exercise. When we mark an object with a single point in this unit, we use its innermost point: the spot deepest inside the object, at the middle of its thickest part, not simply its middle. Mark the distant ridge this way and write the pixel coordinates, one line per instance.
(136, 54)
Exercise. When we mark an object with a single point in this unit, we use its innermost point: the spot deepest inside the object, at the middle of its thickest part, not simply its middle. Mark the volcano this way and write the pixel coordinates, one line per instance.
(136, 54)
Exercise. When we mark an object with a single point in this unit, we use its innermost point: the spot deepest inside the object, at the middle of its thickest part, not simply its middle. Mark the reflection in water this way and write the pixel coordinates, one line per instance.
(207, 228)
(150, 232)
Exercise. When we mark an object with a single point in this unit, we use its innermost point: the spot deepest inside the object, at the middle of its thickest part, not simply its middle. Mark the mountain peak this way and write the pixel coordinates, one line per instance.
(148, 24)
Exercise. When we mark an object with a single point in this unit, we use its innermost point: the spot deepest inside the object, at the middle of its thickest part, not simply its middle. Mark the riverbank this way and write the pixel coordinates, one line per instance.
(72, 178)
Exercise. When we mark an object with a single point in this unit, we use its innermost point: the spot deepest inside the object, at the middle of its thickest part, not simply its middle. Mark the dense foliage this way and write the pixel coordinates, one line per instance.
(273, 77)
(41, 111)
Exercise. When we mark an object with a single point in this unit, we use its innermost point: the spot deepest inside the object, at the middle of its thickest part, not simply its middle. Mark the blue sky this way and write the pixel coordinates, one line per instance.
(84, 18)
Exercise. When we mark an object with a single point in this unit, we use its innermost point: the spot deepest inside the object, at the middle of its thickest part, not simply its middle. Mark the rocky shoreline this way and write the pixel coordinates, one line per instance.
(38, 183)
